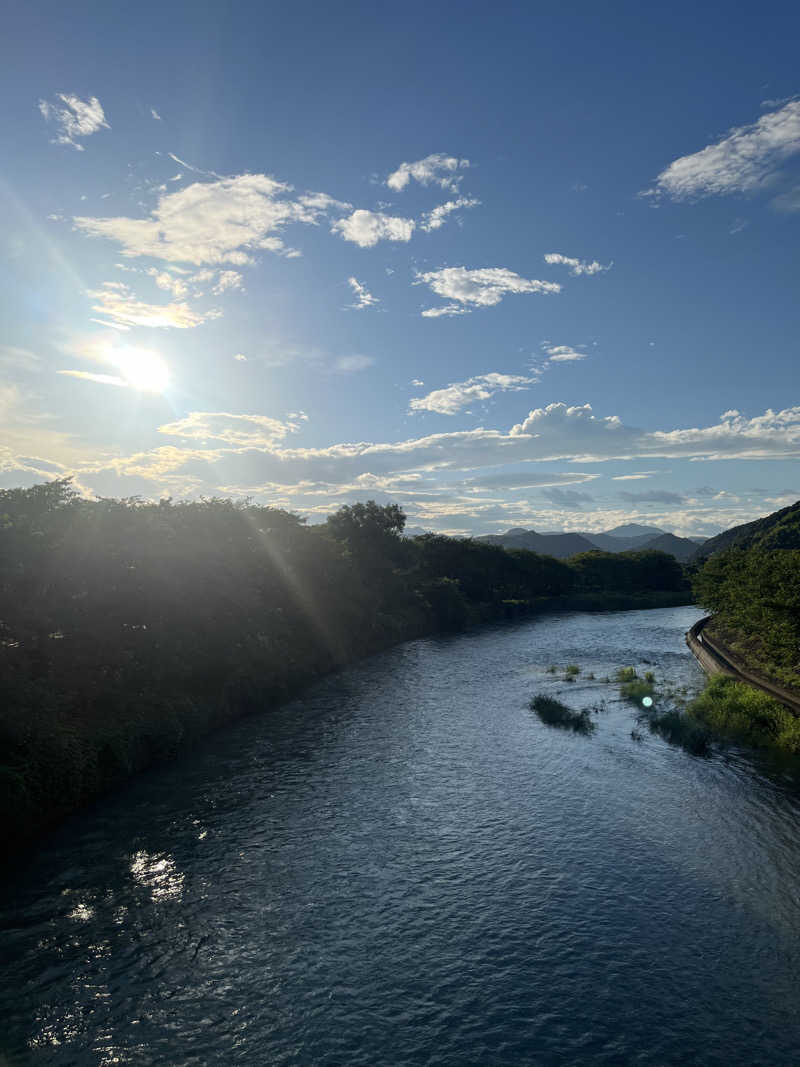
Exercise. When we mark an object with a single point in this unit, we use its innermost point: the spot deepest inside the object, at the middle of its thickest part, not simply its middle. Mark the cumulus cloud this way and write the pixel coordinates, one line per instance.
(217, 222)
(562, 353)
(435, 219)
(366, 228)
(576, 266)
(459, 395)
(121, 307)
(745, 160)
(250, 431)
(363, 297)
(74, 118)
(227, 279)
(484, 287)
(437, 168)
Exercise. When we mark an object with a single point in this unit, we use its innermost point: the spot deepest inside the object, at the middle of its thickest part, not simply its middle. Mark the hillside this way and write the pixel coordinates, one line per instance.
(680, 547)
(781, 529)
(610, 542)
(561, 546)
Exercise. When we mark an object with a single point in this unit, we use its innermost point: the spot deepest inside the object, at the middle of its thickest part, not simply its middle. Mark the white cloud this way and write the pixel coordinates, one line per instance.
(168, 282)
(240, 357)
(483, 287)
(155, 114)
(576, 266)
(562, 353)
(349, 364)
(436, 168)
(418, 382)
(459, 395)
(745, 160)
(74, 118)
(250, 431)
(227, 279)
(435, 219)
(223, 221)
(366, 228)
(637, 476)
(363, 297)
(118, 303)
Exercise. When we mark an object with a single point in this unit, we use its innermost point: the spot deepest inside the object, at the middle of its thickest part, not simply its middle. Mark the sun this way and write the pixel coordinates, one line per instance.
(142, 369)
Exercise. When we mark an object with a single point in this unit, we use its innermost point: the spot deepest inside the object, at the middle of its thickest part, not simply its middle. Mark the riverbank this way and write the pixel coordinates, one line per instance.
(71, 760)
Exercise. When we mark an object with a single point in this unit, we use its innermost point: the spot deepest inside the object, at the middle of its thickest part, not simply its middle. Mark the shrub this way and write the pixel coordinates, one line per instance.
(626, 674)
(636, 691)
(749, 714)
(572, 670)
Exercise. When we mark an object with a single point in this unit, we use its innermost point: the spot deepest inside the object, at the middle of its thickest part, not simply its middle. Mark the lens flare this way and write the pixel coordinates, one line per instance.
(142, 369)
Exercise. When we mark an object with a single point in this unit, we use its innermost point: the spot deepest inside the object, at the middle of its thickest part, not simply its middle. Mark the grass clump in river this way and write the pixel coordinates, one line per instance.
(737, 709)
(679, 728)
(554, 713)
(571, 671)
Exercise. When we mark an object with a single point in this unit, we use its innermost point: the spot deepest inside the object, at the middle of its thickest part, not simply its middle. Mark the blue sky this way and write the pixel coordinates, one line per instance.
(505, 267)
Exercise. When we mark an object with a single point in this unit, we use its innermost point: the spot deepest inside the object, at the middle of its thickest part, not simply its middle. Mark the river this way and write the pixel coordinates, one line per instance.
(406, 866)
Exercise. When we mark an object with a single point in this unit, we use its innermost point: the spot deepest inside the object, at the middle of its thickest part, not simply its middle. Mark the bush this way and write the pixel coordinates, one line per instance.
(752, 716)
(636, 691)
(554, 713)
(626, 674)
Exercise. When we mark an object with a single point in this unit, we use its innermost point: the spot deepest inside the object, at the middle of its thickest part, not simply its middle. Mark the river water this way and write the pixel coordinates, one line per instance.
(406, 866)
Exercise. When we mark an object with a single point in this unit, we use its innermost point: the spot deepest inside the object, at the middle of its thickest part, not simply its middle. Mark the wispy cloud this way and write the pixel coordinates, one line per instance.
(654, 496)
(459, 395)
(366, 228)
(437, 168)
(248, 431)
(577, 266)
(363, 297)
(568, 498)
(350, 364)
(745, 160)
(155, 114)
(485, 287)
(74, 118)
(117, 303)
(435, 219)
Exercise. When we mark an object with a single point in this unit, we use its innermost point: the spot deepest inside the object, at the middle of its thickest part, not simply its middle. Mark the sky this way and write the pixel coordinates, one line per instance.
(501, 265)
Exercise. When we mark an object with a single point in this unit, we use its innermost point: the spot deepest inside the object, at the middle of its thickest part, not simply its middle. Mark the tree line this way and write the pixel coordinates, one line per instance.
(128, 628)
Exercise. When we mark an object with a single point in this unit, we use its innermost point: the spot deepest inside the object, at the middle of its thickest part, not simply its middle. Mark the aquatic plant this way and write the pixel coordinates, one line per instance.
(638, 691)
(554, 713)
(625, 674)
(679, 728)
(572, 670)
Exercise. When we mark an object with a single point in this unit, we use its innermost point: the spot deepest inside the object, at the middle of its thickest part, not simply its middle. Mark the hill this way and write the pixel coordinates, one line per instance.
(682, 548)
(610, 542)
(781, 529)
(561, 546)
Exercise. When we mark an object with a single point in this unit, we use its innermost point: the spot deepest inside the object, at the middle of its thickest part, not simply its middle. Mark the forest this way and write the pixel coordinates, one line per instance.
(128, 628)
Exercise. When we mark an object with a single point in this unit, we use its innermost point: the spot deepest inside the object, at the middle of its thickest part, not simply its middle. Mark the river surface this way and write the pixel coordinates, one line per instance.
(406, 866)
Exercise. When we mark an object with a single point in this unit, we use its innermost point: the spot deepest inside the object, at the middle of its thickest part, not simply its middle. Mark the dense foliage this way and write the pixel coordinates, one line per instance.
(753, 590)
(127, 628)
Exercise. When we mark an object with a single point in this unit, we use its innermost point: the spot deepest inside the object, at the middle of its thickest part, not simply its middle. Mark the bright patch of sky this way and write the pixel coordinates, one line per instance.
(408, 257)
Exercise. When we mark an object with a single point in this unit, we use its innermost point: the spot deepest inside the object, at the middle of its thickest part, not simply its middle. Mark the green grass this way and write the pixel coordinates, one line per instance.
(572, 670)
(637, 691)
(626, 674)
(748, 714)
(554, 713)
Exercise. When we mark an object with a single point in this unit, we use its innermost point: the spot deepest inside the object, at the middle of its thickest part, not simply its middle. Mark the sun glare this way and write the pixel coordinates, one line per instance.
(142, 369)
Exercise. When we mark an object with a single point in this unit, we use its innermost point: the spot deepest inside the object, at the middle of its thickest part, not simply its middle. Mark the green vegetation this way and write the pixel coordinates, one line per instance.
(571, 671)
(554, 713)
(626, 674)
(127, 628)
(680, 728)
(753, 591)
(636, 691)
(748, 714)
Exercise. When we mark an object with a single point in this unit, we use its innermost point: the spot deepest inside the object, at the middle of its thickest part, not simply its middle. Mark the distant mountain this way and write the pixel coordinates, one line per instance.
(559, 545)
(612, 543)
(781, 529)
(682, 548)
(633, 529)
